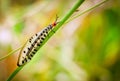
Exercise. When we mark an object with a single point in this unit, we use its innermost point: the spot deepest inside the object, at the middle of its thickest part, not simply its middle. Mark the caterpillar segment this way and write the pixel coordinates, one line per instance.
(33, 44)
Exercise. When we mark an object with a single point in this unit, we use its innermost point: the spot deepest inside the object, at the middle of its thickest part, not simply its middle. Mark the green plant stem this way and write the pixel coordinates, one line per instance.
(79, 2)
(89, 9)
(2, 58)
(14, 73)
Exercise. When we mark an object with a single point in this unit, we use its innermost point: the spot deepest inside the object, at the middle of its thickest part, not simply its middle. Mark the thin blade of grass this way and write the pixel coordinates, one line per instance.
(87, 10)
(12, 52)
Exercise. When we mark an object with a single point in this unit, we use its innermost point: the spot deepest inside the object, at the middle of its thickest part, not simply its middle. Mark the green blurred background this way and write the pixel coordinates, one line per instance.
(85, 49)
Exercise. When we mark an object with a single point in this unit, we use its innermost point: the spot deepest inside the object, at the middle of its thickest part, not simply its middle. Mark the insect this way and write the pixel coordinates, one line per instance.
(33, 44)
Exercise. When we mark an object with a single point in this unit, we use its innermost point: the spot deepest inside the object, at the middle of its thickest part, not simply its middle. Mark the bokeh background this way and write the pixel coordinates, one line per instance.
(85, 49)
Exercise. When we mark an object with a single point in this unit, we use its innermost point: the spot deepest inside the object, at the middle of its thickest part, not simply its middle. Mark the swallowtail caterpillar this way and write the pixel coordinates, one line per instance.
(33, 44)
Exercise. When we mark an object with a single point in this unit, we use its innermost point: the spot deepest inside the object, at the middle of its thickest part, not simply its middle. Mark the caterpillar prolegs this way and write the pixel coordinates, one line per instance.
(33, 44)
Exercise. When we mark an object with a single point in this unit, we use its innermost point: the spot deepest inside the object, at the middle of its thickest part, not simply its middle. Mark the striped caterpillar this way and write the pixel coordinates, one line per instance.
(33, 44)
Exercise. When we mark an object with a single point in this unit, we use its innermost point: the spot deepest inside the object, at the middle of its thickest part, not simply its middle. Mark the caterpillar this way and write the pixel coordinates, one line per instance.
(33, 44)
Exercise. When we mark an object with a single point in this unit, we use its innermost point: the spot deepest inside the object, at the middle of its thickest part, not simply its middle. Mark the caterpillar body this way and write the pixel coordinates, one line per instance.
(33, 44)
